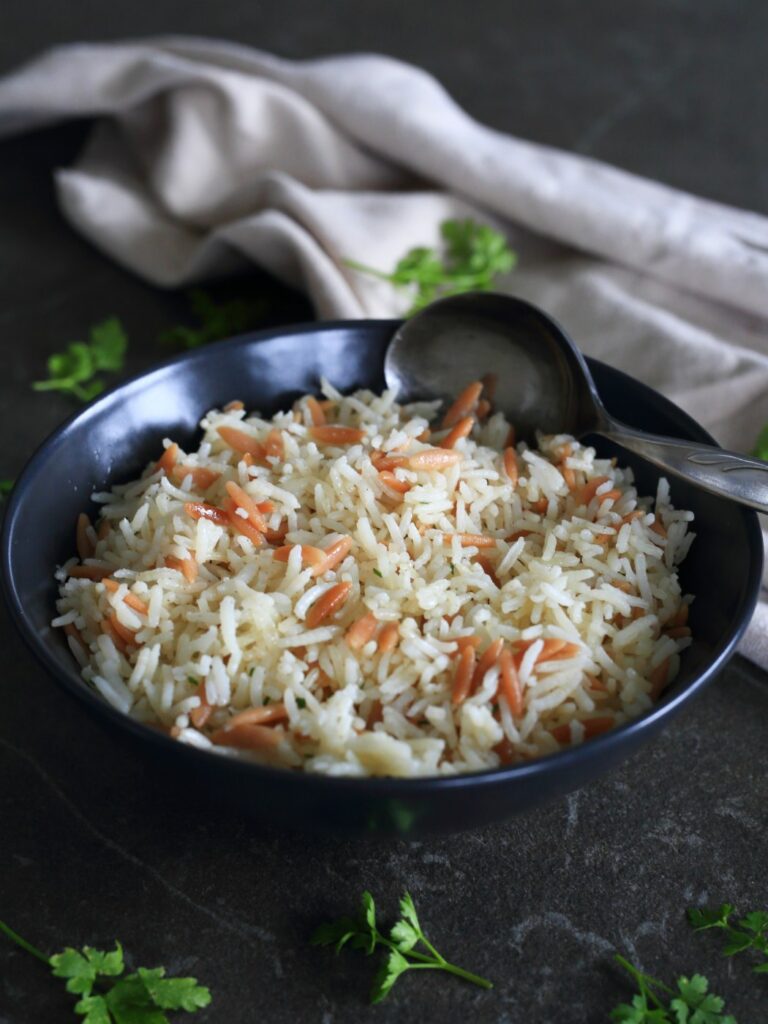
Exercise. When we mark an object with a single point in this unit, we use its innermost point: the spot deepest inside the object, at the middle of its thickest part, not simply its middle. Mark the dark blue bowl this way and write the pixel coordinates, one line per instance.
(114, 438)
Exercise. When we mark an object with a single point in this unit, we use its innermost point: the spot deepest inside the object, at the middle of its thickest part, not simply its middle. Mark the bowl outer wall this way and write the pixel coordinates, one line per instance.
(114, 437)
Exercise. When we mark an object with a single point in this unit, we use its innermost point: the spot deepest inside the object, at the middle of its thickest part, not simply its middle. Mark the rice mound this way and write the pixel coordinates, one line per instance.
(215, 625)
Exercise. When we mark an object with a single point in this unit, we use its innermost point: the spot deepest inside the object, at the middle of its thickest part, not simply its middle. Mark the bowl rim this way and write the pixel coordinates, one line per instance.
(373, 786)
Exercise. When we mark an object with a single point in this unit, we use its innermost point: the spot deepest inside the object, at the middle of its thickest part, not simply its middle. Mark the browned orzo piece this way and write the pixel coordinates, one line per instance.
(510, 465)
(360, 632)
(244, 526)
(388, 637)
(186, 566)
(202, 477)
(274, 446)
(462, 429)
(248, 737)
(91, 572)
(509, 684)
(462, 680)
(167, 460)
(310, 555)
(464, 404)
(336, 435)
(488, 660)
(589, 489)
(390, 481)
(316, 412)
(334, 554)
(239, 441)
(201, 510)
(244, 501)
(130, 599)
(328, 604)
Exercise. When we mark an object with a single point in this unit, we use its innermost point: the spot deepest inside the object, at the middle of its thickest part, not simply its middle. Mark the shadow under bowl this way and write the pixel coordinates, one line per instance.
(111, 441)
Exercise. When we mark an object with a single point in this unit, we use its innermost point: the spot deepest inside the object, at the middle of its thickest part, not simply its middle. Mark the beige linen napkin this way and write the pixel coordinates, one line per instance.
(206, 155)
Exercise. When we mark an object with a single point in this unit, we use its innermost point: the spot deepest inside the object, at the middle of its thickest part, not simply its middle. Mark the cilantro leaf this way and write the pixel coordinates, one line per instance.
(6, 486)
(473, 256)
(74, 370)
(215, 320)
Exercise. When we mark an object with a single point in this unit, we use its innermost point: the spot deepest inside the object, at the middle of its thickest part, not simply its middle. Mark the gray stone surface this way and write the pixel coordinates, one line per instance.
(93, 847)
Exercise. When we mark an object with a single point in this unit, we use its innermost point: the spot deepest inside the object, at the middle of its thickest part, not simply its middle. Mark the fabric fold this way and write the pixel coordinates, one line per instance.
(207, 155)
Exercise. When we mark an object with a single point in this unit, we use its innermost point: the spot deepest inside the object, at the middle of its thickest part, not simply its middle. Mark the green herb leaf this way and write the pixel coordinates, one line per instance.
(301, 703)
(402, 955)
(94, 1009)
(761, 444)
(78, 969)
(108, 344)
(751, 932)
(696, 1006)
(702, 918)
(140, 998)
(335, 933)
(73, 371)
(387, 975)
(404, 936)
(691, 1003)
(473, 256)
(6, 486)
(379, 574)
(215, 320)
(174, 993)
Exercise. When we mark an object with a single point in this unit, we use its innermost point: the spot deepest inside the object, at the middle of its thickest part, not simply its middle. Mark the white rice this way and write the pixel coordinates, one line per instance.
(238, 634)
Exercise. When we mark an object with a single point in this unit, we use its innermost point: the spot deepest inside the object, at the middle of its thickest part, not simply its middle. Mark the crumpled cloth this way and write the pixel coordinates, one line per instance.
(206, 155)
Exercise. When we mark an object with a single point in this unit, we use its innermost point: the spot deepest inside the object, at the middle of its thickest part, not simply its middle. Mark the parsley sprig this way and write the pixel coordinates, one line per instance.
(109, 996)
(750, 932)
(473, 257)
(216, 320)
(74, 371)
(362, 932)
(656, 1003)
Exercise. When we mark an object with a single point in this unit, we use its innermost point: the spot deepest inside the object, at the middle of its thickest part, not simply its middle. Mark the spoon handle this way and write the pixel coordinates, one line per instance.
(728, 474)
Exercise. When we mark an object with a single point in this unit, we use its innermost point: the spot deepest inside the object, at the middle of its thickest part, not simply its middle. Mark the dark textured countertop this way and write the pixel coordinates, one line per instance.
(92, 847)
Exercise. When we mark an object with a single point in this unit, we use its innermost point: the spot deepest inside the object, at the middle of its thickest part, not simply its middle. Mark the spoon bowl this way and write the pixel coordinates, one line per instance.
(541, 382)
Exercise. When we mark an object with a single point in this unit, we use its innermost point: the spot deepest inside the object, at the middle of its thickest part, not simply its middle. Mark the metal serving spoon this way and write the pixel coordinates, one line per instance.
(543, 383)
